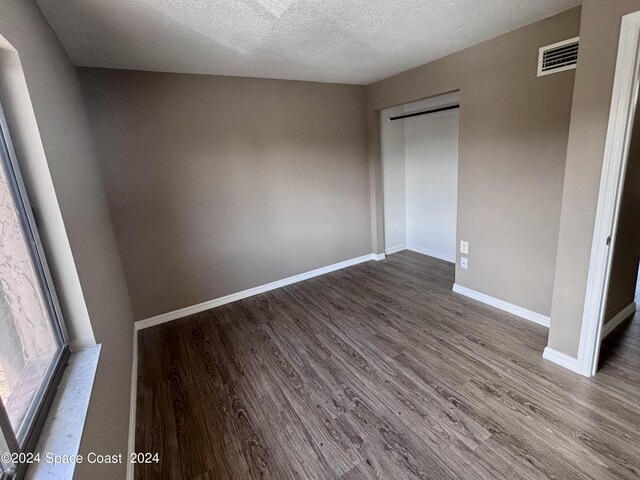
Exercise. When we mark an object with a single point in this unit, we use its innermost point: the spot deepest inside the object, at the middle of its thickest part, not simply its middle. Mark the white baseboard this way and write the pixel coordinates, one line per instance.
(611, 325)
(216, 302)
(396, 249)
(378, 256)
(502, 305)
(561, 359)
(132, 405)
(431, 253)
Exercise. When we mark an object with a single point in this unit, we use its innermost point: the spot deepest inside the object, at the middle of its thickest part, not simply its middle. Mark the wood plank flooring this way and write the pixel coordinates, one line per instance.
(378, 371)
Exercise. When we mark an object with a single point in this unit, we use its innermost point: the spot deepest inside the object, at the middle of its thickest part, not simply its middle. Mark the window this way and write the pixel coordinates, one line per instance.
(33, 340)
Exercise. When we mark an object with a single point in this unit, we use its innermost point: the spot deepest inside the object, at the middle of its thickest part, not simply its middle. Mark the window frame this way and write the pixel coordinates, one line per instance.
(26, 438)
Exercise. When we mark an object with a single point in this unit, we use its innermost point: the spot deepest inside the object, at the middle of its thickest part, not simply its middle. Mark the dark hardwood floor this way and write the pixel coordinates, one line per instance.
(378, 371)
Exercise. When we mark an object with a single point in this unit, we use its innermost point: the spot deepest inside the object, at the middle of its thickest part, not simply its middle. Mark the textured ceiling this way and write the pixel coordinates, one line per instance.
(346, 41)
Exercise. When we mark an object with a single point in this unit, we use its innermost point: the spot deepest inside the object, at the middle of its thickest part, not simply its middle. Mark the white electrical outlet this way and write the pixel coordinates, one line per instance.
(464, 263)
(464, 246)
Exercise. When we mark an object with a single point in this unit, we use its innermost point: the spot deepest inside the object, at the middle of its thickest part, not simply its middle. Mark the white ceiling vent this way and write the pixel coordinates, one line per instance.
(558, 57)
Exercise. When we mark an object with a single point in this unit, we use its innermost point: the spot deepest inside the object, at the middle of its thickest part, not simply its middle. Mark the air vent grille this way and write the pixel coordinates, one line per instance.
(558, 57)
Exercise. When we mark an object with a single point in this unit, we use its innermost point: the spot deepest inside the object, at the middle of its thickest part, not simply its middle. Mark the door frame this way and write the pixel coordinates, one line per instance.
(621, 116)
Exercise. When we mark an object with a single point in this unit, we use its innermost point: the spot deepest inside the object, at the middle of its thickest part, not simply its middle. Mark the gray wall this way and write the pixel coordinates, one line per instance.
(393, 178)
(219, 184)
(599, 33)
(513, 140)
(66, 137)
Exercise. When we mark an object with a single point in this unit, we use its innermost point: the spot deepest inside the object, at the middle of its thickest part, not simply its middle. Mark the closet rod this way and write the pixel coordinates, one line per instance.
(425, 112)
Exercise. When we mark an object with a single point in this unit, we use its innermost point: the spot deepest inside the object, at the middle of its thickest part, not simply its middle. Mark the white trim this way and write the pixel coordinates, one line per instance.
(431, 253)
(625, 313)
(561, 359)
(541, 51)
(622, 112)
(132, 404)
(378, 256)
(216, 302)
(502, 305)
(396, 249)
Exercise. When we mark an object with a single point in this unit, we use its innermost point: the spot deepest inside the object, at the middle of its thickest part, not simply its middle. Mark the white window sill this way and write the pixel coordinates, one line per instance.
(63, 428)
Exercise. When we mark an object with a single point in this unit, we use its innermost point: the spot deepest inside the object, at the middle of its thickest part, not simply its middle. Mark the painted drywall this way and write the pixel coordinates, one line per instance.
(394, 180)
(220, 184)
(599, 33)
(66, 138)
(431, 157)
(626, 253)
(376, 187)
(513, 140)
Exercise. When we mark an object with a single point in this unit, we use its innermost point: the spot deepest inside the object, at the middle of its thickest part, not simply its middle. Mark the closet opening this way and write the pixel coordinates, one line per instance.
(419, 147)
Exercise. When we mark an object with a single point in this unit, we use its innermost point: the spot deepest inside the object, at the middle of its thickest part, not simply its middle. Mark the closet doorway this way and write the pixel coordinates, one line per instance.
(419, 145)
